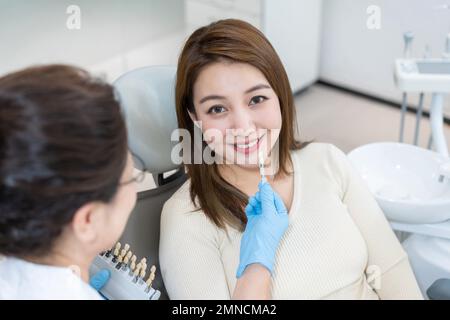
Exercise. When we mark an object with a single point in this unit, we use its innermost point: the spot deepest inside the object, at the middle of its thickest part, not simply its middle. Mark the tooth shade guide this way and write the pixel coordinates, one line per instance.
(143, 271)
(124, 284)
(261, 164)
(128, 256)
(150, 279)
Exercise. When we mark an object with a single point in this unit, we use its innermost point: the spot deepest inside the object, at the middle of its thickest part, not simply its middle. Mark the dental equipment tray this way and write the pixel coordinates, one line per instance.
(423, 75)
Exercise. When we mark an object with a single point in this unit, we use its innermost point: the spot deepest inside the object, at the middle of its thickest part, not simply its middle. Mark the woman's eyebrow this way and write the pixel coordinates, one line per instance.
(257, 87)
(217, 97)
(212, 97)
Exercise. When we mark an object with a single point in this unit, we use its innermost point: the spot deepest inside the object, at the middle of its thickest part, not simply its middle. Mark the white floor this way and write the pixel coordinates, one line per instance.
(329, 115)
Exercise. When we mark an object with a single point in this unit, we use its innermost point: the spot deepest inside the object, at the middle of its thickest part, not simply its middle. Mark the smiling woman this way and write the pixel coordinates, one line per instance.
(243, 116)
(240, 88)
(311, 231)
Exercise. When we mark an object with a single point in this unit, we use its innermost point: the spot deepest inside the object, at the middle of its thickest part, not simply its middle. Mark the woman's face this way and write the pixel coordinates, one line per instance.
(238, 111)
(118, 210)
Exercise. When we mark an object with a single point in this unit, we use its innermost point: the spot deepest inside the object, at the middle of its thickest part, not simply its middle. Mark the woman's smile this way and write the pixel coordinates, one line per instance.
(248, 147)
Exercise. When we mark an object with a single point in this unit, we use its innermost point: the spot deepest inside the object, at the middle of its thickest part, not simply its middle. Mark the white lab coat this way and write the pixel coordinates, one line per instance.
(22, 280)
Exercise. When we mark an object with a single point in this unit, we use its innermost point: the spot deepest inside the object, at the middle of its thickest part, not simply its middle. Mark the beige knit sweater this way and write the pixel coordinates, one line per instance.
(338, 244)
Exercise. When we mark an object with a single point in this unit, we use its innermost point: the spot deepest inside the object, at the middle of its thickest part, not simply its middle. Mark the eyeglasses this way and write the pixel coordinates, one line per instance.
(142, 170)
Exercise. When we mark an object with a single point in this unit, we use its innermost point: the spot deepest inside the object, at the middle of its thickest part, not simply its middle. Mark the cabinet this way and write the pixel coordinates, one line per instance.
(292, 26)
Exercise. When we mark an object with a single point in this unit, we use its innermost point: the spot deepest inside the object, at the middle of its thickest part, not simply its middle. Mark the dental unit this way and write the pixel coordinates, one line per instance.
(412, 184)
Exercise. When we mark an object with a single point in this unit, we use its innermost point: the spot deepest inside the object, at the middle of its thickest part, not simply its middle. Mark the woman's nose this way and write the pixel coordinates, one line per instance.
(243, 122)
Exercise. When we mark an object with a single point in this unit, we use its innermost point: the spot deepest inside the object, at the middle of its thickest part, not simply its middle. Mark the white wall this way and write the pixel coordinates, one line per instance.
(358, 58)
(292, 26)
(34, 31)
(294, 29)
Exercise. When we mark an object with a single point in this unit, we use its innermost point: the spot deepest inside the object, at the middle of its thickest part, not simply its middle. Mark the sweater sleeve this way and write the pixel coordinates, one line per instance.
(389, 269)
(190, 259)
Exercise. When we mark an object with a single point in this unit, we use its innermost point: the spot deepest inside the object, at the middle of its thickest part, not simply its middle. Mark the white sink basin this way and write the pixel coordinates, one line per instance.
(405, 181)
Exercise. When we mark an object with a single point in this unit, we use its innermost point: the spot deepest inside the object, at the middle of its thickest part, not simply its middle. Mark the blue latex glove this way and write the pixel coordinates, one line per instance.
(267, 222)
(99, 279)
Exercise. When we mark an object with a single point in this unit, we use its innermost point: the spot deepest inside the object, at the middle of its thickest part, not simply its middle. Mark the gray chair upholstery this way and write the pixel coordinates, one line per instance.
(148, 104)
(147, 96)
(439, 290)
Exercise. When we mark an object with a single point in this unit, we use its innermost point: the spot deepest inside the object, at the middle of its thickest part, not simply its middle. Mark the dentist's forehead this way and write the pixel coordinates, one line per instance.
(226, 79)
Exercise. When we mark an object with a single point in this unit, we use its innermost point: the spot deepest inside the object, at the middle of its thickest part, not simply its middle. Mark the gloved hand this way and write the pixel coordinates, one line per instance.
(267, 222)
(99, 279)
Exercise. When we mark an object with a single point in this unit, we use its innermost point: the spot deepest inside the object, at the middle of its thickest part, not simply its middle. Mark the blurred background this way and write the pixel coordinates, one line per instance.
(340, 68)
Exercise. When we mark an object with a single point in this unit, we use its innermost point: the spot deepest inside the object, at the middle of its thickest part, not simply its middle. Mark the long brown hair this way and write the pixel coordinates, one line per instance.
(236, 41)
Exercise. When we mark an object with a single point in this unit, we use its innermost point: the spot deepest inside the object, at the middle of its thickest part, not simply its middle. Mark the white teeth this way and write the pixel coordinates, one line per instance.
(245, 146)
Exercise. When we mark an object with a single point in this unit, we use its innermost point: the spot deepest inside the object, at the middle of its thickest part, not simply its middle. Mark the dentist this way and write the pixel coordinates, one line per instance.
(66, 185)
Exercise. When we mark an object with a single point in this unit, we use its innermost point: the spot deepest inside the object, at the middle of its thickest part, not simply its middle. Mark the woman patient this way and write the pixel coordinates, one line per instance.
(66, 185)
(313, 231)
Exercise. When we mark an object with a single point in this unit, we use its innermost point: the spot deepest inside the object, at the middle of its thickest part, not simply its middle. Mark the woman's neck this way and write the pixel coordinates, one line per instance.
(245, 179)
(74, 260)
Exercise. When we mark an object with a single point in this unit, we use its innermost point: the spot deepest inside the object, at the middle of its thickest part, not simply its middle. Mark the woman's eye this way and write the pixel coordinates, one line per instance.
(216, 109)
(257, 99)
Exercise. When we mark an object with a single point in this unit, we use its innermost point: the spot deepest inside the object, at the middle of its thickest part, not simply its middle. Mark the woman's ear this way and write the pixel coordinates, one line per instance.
(193, 116)
(87, 222)
(194, 119)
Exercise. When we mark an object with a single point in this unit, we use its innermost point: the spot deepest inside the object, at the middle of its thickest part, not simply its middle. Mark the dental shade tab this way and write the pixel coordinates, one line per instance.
(261, 166)
(127, 278)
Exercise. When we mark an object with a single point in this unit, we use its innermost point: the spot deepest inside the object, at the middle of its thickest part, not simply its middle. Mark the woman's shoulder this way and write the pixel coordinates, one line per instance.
(319, 153)
(180, 211)
(182, 221)
(324, 161)
(180, 202)
(20, 279)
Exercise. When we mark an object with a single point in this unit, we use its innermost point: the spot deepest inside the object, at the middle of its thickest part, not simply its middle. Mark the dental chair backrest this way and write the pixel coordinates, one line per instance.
(147, 97)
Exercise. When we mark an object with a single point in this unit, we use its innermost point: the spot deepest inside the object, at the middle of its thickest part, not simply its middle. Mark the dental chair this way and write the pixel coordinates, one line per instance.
(147, 97)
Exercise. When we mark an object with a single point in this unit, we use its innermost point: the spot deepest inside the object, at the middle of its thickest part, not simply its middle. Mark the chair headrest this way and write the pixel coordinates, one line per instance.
(147, 97)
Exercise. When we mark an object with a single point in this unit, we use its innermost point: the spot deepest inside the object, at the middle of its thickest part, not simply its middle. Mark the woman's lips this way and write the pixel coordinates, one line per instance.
(247, 148)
